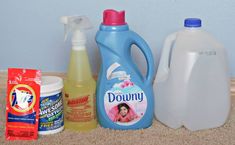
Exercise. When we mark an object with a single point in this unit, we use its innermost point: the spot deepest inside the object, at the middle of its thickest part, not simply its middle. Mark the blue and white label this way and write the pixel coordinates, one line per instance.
(51, 112)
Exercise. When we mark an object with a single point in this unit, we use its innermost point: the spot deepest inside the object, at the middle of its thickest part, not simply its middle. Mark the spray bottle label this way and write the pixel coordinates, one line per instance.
(80, 109)
(125, 103)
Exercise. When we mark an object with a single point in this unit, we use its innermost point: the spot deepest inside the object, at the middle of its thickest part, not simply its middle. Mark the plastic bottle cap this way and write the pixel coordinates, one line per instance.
(113, 18)
(51, 83)
(192, 22)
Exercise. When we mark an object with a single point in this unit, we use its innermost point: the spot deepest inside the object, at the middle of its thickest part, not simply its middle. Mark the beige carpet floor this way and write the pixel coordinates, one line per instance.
(157, 134)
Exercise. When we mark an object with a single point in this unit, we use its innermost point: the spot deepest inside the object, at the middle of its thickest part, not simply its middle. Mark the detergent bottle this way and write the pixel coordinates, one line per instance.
(79, 86)
(192, 85)
(124, 95)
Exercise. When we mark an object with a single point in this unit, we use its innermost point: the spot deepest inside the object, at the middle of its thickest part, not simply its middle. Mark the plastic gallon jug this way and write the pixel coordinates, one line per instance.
(192, 83)
(124, 96)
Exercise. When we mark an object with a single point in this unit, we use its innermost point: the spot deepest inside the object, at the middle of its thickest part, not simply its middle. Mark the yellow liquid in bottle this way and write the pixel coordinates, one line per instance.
(79, 90)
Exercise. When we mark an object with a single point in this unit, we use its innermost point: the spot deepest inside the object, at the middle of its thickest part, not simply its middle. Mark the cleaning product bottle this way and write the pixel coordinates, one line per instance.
(79, 86)
(124, 96)
(192, 82)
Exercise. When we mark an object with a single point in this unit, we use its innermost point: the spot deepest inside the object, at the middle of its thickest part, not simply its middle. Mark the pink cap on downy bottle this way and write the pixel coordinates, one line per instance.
(113, 18)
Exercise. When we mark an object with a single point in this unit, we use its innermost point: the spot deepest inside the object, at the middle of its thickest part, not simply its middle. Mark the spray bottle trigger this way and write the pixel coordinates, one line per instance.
(80, 22)
(73, 23)
(65, 20)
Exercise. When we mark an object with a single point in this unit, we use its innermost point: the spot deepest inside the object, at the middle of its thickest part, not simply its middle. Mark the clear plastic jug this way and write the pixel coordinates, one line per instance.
(192, 85)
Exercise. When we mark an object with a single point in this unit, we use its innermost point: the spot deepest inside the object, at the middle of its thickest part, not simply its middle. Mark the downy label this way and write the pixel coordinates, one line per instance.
(125, 103)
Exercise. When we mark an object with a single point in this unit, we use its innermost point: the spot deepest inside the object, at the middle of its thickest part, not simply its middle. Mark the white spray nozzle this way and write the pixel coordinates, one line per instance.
(75, 23)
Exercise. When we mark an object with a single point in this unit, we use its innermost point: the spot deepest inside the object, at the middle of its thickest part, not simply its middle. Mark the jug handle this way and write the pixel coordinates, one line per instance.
(163, 68)
(140, 43)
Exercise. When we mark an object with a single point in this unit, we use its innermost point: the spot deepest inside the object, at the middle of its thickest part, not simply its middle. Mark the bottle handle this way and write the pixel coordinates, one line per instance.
(143, 46)
(163, 68)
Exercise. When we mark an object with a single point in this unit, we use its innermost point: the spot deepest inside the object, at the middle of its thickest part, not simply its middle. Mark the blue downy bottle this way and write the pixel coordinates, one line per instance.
(124, 96)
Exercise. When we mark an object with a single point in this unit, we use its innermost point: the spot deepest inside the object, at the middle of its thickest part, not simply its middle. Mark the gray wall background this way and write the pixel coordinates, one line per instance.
(31, 34)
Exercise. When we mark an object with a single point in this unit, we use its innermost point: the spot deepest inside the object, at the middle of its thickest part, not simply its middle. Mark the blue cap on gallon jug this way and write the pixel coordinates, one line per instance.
(192, 22)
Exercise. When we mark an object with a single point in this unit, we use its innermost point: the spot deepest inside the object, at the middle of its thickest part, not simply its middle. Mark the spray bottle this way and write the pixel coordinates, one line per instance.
(79, 87)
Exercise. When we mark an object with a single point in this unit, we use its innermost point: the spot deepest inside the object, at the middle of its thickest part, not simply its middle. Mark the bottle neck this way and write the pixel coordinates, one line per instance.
(192, 29)
(78, 48)
(114, 28)
(79, 66)
(78, 40)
